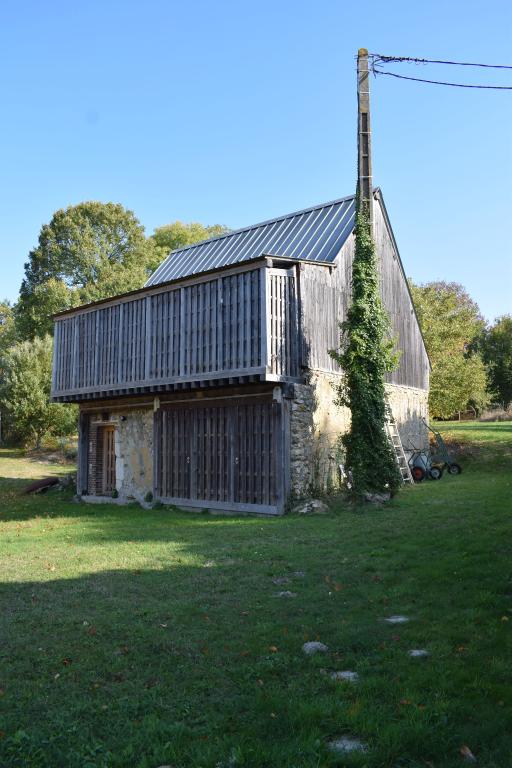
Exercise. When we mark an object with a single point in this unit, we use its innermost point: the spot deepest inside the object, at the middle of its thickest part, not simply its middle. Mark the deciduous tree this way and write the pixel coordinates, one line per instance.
(496, 347)
(88, 251)
(450, 321)
(25, 393)
(177, 235)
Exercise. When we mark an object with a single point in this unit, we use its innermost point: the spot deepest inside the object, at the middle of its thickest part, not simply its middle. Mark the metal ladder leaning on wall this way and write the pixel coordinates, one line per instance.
(396, 444)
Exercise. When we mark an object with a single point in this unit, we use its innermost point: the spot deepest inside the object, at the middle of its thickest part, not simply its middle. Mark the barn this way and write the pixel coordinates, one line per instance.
(212, 386)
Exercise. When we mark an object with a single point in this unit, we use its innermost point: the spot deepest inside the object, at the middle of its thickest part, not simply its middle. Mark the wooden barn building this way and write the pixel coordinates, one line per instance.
(211, 387)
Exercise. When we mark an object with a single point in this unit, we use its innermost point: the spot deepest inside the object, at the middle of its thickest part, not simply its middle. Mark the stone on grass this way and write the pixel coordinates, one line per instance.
(280, 580)
(286, 593)
(418, 653)
(397, 619)
(377, 498)
(311, 507)
(314, 647)
(347, 675)
(344, 745)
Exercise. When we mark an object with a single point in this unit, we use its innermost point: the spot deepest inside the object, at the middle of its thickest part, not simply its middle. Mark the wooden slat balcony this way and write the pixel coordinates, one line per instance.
(230, 324)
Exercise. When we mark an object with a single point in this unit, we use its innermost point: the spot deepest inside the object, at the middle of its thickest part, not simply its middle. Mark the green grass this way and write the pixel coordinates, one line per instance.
(146, 638)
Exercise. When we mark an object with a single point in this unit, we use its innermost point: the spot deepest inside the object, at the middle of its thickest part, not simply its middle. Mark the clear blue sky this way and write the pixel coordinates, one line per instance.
(234, 112)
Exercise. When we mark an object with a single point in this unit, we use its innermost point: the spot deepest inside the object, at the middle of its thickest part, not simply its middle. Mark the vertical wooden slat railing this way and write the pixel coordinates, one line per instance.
(231, 325)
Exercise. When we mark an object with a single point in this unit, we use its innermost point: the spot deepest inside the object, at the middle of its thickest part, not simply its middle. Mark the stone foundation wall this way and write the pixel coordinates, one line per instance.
(316, 423)
(133, 448)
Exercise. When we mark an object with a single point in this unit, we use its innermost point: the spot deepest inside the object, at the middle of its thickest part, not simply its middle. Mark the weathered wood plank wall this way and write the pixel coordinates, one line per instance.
(325, 298)
(227, 452)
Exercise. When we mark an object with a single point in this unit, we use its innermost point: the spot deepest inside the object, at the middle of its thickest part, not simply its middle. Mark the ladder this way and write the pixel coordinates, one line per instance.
(396, 444)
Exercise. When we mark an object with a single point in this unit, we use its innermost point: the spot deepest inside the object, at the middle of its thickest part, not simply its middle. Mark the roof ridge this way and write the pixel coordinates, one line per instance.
(261, 224)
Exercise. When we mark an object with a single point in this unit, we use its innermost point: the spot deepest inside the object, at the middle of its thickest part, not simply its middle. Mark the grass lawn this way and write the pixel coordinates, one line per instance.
(146, 638)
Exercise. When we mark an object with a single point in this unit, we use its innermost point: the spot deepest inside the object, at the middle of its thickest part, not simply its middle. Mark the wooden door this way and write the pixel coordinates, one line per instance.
(109, 460)
(221, 455)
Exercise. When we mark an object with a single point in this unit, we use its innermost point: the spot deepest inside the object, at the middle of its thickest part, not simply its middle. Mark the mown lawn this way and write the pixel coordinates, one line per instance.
(146, 638)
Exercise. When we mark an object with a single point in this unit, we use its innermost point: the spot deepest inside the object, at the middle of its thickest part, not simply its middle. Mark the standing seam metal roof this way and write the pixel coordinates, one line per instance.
(314, 234)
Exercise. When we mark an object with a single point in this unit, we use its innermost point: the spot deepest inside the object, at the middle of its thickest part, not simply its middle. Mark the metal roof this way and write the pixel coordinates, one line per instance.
(314, 234)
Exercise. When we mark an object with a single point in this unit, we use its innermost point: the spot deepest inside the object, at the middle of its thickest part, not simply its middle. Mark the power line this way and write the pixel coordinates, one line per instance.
(377, 58)
(441, 82)
(389, 59)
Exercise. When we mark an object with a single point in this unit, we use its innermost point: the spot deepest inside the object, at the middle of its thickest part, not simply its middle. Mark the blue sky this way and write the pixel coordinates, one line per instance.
(235, 112)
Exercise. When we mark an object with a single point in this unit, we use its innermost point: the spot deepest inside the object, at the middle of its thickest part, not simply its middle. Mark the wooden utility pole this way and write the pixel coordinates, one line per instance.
(364, 145)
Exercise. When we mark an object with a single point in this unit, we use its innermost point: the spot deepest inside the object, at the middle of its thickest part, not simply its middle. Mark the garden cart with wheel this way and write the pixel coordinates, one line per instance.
(421, 465)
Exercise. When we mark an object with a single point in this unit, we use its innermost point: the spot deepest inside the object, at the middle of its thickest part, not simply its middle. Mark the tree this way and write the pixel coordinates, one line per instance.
(177, 235)
(365, 355)
(450, 321)
(88, 251)
(34, 311)
(496, 347)
(25, 393)
(7, 327)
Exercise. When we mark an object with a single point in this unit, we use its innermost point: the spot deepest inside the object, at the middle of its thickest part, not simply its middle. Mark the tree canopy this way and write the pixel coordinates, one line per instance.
(88, 251)
(496, 347)
(177, 235)
(7, 326)
(25, 393)
(450, 321)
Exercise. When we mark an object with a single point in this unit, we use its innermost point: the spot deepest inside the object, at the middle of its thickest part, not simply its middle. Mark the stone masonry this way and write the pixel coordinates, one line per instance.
(133, 449)
(316, 423)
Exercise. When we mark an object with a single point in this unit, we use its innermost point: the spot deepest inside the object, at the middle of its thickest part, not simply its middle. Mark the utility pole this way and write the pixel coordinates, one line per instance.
(364, 145)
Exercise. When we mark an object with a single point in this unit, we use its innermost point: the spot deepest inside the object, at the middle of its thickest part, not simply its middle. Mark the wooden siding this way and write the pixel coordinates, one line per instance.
(325, 298)
(413, 369)
(244, 323)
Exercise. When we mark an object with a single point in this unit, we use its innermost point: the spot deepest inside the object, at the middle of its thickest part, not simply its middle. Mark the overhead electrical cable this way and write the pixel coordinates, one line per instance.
(389, 59)
(376, 59)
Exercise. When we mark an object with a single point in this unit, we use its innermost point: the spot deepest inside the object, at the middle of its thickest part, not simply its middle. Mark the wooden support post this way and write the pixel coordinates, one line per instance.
(364, 160)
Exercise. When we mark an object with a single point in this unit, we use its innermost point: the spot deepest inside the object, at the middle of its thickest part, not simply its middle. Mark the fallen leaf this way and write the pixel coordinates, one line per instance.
(505, 618)
(204, 650)
(273, 714)
(260, 682)
(404, 702)
(273, 648)
(92, 631)
(338, 587)
(245, 653)
(66, 662)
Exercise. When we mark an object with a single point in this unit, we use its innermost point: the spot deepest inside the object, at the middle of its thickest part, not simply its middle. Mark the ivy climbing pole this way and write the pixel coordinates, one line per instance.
(366, 349)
